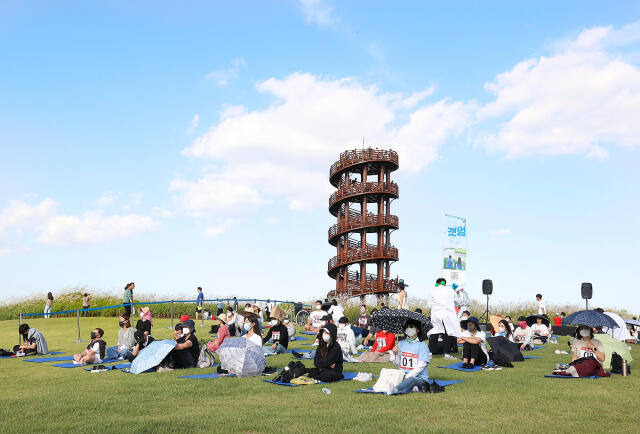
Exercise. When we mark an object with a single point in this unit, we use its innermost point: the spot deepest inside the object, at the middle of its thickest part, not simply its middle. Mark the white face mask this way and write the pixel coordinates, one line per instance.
(141, 314)
(185, 330)
(286, 322)
(318, 306)
(273, 322)
(585, 332)
(363, 310)
(326, 337)
(342, 326)
(501, 329)
(246, 327)
(180, 335)
(464, 317)
(411, 331)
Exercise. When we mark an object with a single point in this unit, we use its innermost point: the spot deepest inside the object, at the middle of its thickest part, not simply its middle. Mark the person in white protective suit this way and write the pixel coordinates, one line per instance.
(461, 299)
(443, 337)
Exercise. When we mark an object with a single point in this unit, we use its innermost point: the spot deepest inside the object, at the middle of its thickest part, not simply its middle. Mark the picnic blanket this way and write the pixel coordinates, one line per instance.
(205, 376)
(569, 376)
(347, 376)
(442, 383)
(50, 359)
(532, 357)
(309, 333)
(72, 365)
(458, 367)
(50, 353)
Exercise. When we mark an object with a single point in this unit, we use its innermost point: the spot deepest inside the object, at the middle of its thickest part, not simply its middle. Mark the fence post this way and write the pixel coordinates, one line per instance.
(19, 324)
(171, 314)
(78, 318)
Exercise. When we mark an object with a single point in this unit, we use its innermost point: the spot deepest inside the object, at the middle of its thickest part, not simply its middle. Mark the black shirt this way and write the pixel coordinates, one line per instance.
(143, 325)
(147, 343)
(279, 334)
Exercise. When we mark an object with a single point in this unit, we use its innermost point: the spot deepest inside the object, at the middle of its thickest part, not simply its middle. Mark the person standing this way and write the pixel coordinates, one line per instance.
(461, 300)
(446, 327)
(86, 303)
(402, 298)
(542, 310)
(199, 302)
(127, 299)
(219, 306)
(48, 304)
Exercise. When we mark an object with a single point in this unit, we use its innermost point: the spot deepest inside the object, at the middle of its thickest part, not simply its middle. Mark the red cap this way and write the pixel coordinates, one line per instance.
(184, 318)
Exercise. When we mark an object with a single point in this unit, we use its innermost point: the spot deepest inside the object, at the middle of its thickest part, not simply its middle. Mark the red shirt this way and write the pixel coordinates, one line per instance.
(385, 341)
(557, 321)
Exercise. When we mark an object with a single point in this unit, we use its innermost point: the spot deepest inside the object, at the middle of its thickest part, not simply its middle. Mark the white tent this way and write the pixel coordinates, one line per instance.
(621, 332)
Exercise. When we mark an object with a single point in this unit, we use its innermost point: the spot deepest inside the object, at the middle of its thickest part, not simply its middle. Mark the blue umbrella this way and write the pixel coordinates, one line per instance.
(633, 322)
(591, 318)
(242, 357)
(151, 356)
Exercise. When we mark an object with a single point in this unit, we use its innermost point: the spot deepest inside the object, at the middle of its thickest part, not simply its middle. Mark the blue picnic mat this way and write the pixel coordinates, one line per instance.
(111, 367)
(50, 353)
(531, 357)
(568, 376)
(299, 338)
(71, 365)
(309, 333)
(212, 375)
(442, 383)
(347, 376)
(458, 367)
(50, 359)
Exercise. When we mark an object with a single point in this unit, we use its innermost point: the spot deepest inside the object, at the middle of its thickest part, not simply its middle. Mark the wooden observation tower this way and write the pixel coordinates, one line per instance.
(362, 235)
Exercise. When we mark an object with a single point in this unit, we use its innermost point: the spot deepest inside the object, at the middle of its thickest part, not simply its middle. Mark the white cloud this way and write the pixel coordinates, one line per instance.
(223, 77)
(193, 125)
(317, 12)
(157, 211)
(93, 227)
(501, 232)
(579, 100)
(107, 198)
(286, 149)
(22, 215)
(213, 231)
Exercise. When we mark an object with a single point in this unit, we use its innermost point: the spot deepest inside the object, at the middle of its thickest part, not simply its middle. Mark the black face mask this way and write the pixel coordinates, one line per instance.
(121, 323)
(93, 335)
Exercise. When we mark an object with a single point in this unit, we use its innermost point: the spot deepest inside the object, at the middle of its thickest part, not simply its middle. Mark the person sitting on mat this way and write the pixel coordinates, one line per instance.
(313, 323)
(370, 338)
(126, 340)
(381, 350)
(223, 333)
(252, 329)
(347, 340)
(504, 330)
(473, 344)
(277, 333)
(145, 322)
(584, 345)
(186, 352)
(291, 329)
(540, 331)
(33, 342)
(508, 319)
(523, 334)
(142, 342)
(328, 358)
(412, 357)
(95, 351)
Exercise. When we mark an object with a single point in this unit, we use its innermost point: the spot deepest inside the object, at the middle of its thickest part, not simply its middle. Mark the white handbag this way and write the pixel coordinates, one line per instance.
(389, 378)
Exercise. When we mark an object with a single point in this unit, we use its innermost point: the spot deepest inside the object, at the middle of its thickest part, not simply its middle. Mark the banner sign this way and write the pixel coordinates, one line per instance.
(454, 261)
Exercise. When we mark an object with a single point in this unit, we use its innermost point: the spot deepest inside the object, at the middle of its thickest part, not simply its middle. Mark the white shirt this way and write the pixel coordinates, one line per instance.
(336, 313)
(316, 316)
(255, 339)
(96, 349)
(478, 334)
(541, 309)
(442, 299)
(540, 329)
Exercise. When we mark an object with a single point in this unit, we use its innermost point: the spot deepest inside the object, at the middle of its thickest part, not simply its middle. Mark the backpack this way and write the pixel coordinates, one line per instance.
(6, 353)
(616, 364)
(291, 371)
(206, 358)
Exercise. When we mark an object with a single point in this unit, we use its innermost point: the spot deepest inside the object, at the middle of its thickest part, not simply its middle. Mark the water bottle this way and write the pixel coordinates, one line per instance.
(326, 391)
(624, 368)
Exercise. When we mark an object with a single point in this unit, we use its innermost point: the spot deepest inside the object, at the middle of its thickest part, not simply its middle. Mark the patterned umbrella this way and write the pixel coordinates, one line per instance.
(393, 320)
(152, 355)
(533, 319)
(242, 357)
(591, 318)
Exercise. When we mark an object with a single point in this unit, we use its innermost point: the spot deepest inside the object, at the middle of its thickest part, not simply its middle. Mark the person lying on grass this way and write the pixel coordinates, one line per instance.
(33, 342)
(473, 344)
(142, 341)
(412, 357)
(328, 358)
(95, 351)
(186, 352)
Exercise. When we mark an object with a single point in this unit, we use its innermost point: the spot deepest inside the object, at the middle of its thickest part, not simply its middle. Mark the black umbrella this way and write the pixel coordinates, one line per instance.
(504, 351)
(533, 319)
(394, 320)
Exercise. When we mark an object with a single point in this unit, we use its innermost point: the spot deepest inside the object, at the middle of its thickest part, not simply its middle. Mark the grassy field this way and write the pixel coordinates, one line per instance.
(38, 397)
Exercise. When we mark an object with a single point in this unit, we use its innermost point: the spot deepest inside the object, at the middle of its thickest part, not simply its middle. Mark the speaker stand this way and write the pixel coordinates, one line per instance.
(485, 315)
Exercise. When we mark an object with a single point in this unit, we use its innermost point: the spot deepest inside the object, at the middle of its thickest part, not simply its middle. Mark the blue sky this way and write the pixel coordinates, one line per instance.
(181, 146)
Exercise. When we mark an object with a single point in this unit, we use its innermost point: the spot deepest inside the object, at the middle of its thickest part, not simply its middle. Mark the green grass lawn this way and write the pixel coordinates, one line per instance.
(39, 397)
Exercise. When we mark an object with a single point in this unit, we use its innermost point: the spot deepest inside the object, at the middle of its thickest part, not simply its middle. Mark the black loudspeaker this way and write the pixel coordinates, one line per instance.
(587, 291)
(487, 287)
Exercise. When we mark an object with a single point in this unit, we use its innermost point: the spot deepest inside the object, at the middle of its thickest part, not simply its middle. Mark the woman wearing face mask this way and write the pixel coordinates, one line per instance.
(473, 344)
(291, 329)
(277, 333)
(223, 333)
(584, 345)
(328, 357)
(313, 323)
(252, 330)
(508, 319)
(523, 334)
(504, 330)
(381, 350)
(347, 340)
(186, 352)
(412, 357)
(126, 340)
(145, 322)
